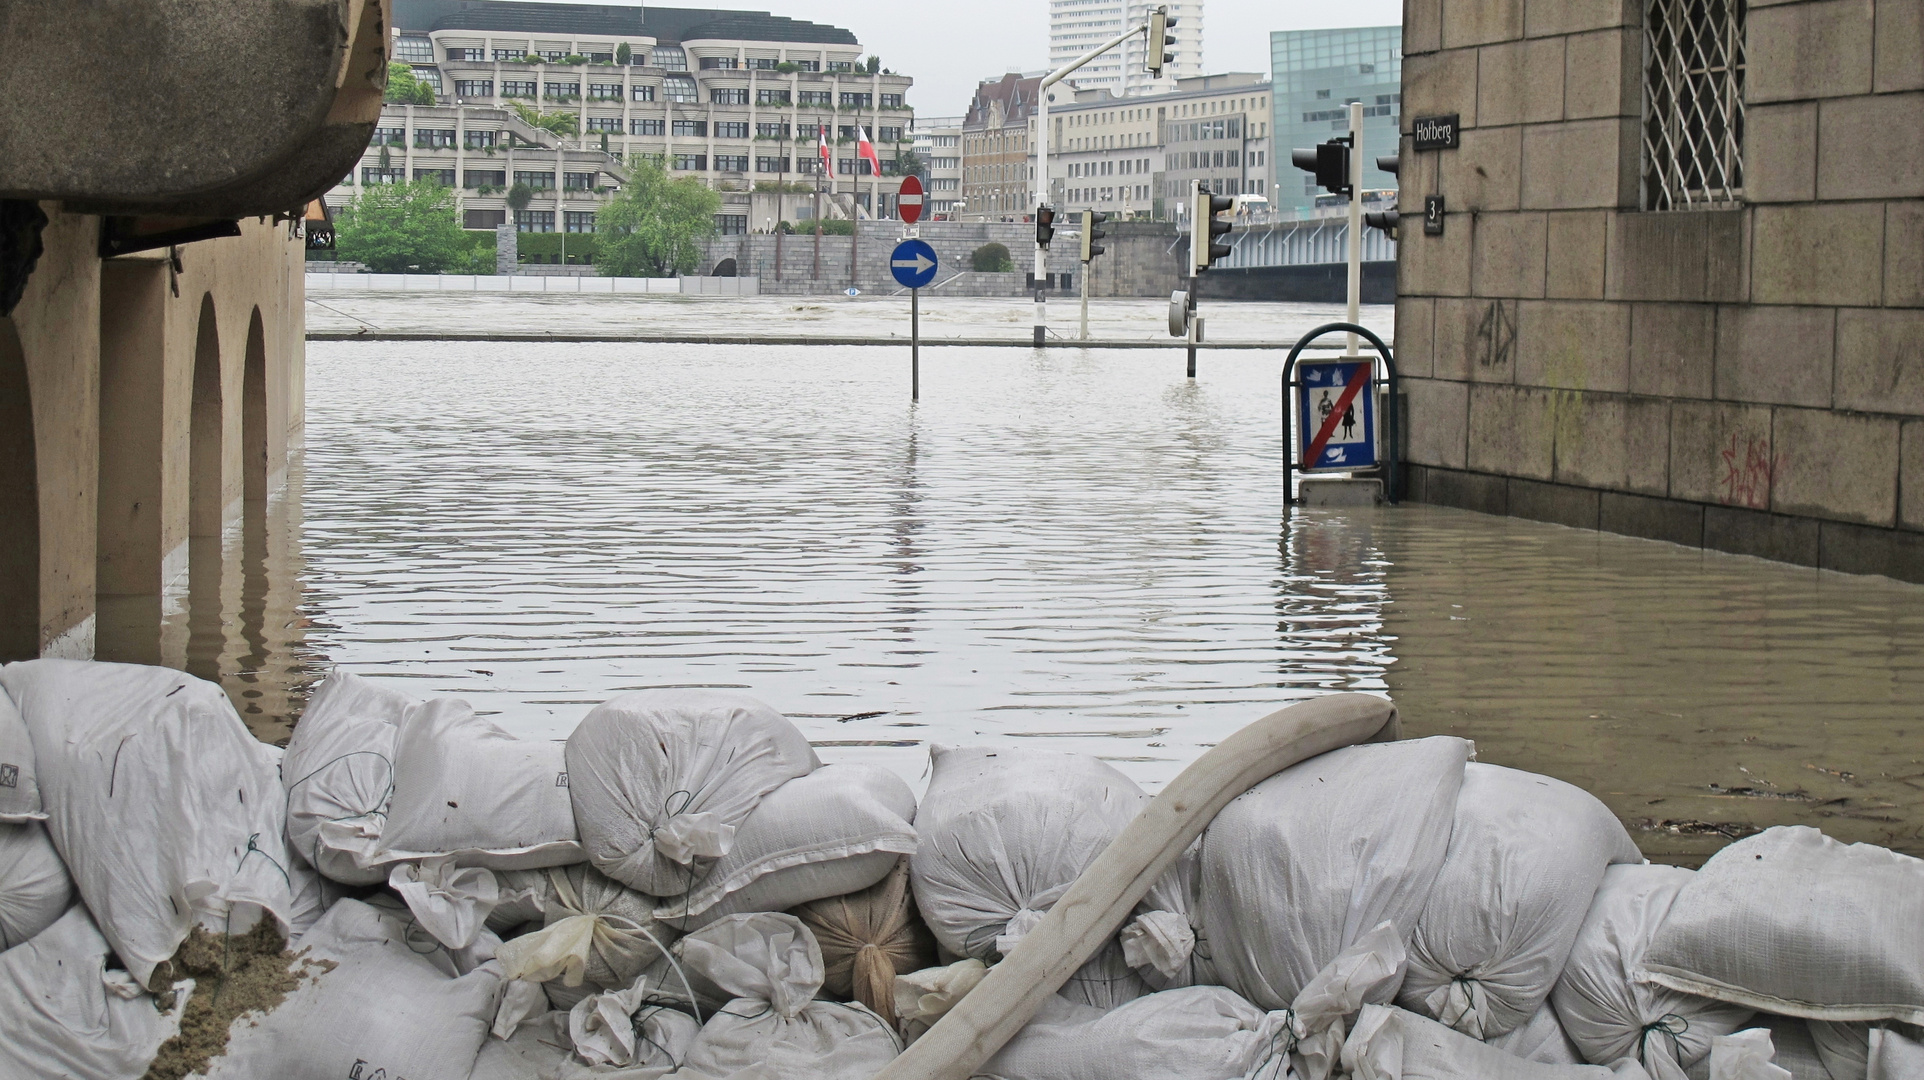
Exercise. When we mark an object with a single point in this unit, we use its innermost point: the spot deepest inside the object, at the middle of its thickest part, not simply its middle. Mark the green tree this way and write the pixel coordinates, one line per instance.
(653, 228)
(397, 227)
(623, 54)
(561, 123)
(405, 88)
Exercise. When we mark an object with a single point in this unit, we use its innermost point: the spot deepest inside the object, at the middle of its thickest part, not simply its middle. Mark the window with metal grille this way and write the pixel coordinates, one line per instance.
(1693, 104)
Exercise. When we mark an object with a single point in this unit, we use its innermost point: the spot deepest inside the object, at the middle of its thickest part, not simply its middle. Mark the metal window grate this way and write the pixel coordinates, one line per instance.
(1693, 104)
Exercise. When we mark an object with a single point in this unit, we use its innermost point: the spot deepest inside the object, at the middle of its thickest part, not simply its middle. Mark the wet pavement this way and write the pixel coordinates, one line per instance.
(1073, 550)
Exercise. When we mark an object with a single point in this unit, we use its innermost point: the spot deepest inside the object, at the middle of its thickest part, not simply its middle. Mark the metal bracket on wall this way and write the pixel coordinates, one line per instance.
(126, 235)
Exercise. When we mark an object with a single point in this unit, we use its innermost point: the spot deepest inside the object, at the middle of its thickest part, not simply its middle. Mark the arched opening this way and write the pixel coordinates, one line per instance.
(204, 494)
(725, 268)
(254, 413)
(19, 506)
(255, 481)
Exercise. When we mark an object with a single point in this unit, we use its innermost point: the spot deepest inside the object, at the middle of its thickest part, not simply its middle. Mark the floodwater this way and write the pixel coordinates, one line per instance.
(1068, 550)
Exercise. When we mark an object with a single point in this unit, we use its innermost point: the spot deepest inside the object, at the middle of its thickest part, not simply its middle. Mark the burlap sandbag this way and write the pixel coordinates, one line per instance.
(869, 936)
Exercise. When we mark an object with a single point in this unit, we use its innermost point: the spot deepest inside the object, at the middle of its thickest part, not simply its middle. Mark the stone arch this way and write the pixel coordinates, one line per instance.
(725, 268)
(254, 451)
(205, 498)
(19, 506)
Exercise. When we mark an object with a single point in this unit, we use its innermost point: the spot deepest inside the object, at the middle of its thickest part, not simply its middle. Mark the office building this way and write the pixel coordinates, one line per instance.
(1316, 74)
(938, 143)
(1136, 156)
(1077, 26)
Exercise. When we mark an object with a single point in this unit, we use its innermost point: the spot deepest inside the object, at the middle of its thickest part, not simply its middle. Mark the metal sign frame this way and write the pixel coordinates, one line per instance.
(1392, 425)
(1361, 399)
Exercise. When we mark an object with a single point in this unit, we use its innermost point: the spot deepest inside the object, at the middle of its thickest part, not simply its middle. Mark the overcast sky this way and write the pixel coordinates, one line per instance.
(950, 46)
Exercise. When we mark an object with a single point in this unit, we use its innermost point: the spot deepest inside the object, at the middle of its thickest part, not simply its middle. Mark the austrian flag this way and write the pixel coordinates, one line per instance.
(866, 149)
(827, 155)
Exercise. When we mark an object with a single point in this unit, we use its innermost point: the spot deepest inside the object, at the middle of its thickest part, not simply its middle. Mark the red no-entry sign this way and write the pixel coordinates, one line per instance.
(909, 202)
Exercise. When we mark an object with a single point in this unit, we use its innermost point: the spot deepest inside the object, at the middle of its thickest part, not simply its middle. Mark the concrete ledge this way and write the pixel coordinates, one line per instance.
(1802, 541)
(1340, 491)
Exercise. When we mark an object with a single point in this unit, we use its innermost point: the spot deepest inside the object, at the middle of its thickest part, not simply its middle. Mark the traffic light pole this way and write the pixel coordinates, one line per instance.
(1085, 301)
(1042, 168)
(1355, 217)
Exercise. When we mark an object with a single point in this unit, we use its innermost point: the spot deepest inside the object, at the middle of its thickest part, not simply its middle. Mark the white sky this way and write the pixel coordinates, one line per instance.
(950, 46)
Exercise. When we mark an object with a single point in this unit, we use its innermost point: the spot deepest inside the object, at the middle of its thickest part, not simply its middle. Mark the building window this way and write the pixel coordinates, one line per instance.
(728, 95)
(414, 50)
(846, 167)
(552, 56)
(841, 65)
(669, 57)
(680, 88)
(578, 181)
(891, 101)
(815, 97)
(645, 127)
(888, 134)
(807, 65)
(604, 91)
(372, 175)
(693, 129)
(475, 178)
(433, 138)
(443, 177)
(771, 131)
(642, 93)
(731, 224)
(610, 124)
(579, 221)
(483, 219)
(771, 97)
(856, 101)
(467, 55)
(541, 181)
(429, 75)
(509, 54)
(1693, 103)
(517, 88)
(389, 137)
(846, 131)
(534, 221)
(474, 88)
(731, 162)
(711, 63)
(691, 162)
(561, 91)
(771, 164)
(731, 129)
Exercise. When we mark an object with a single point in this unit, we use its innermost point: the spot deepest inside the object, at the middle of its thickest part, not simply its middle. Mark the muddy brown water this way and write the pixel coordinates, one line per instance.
(1074, 551)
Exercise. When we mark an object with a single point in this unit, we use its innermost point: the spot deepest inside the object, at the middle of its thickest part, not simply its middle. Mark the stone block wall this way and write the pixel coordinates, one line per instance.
(1748, 378)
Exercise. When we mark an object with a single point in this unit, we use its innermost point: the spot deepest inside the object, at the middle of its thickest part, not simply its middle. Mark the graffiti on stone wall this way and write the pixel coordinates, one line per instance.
(1495, 341)
(1748, 468)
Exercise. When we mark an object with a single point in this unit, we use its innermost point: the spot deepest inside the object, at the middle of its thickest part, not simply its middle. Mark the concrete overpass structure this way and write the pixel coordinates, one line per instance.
(155, 162)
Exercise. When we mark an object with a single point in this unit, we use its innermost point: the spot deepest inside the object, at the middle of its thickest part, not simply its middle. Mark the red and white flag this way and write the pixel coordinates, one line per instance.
(822, 148)
(866, 149)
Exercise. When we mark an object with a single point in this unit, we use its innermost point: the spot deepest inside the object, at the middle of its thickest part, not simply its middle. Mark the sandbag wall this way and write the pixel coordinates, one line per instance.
(682, 889)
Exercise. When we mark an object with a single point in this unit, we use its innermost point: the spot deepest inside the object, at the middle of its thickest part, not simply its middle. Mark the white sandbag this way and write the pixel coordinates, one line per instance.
(597, 933)
(376, 997)
(1745, 1055)
(450, 902)
(1525, 857)
(339, 776)
(1300, 866)
(1792, 922)
(466, 788)
(926, 996)
(164, 807)
(1191, 1033)
(1796, 1049)
(19, 790)
(662, 779)
(35, 888)
(541, 1050)
(61, 1017)
(1395, 1044)
(1607, 1011)
(835, 831)
(1863, 1051)
(1541, 1038)
(630, 1029)
(772, 968)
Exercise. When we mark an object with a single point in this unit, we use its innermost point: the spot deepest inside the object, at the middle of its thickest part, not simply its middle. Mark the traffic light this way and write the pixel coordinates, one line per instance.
(1329, 161)
(1045, 224)
(1091, 234)
(1382, 219)
(1389, 163)
(1157, 53)
(1205, 227)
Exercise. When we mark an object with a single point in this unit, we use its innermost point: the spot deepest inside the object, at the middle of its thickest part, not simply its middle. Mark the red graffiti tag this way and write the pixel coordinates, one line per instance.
(1747, 473)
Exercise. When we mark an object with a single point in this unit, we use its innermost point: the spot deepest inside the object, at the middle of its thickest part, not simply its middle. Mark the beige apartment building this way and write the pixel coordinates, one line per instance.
(736, 98)
(1679, 287)
(1135, 156)
(997, 170)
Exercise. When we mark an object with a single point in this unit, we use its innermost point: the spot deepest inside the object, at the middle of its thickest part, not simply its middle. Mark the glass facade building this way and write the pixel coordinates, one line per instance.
(1315, 74)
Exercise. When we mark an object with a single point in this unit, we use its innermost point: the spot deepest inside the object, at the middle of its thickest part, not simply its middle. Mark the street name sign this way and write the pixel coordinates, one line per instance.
(908, 203)
(1338, 414)
(913, 263)
(1435, 132)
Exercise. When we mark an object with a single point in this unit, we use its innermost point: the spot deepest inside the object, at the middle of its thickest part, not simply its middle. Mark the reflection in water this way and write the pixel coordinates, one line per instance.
(1071, 550)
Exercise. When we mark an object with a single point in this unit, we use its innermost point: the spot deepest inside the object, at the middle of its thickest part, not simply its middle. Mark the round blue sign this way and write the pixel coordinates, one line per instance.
(913, 263)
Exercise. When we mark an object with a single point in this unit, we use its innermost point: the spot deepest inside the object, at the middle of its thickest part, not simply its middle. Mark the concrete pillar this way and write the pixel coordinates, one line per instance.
(507, 253)
(19, 507)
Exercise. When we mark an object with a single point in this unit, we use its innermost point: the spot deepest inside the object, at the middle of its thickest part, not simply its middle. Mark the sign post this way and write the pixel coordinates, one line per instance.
(1329, 412)
(914, 264)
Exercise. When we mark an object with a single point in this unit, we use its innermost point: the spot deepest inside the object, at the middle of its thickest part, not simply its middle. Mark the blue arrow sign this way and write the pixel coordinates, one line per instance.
(913, 263)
